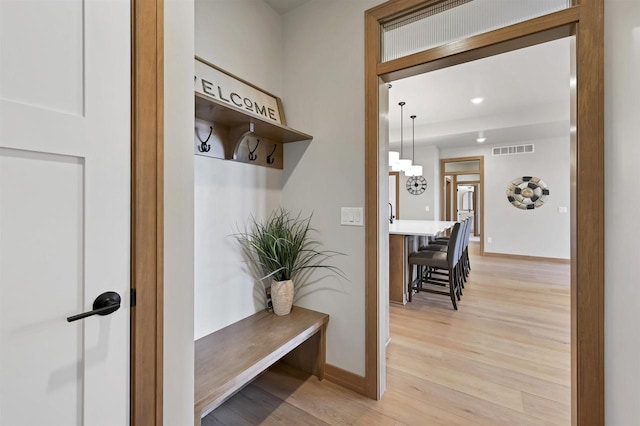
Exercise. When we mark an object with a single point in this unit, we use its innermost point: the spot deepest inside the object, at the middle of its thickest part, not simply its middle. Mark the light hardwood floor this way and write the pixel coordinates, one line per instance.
(502, 359)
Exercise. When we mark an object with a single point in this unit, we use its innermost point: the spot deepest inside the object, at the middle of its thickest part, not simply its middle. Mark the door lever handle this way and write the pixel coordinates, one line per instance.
(104, 304)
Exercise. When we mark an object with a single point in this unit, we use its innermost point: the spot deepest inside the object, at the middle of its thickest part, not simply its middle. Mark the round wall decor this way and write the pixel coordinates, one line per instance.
(527, 193)
(416, 185)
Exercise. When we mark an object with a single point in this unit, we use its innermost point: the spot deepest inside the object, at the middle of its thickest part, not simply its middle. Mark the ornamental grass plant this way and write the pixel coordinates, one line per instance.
(282, 246)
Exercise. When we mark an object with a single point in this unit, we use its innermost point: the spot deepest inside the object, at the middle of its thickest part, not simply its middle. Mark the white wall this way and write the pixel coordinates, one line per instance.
(178, 214)
(244, 37)
(413, 207)
(324, 96)
(541, 232)
(622, 229)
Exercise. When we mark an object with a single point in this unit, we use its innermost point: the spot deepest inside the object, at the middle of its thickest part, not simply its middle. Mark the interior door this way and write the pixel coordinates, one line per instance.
(64, 211)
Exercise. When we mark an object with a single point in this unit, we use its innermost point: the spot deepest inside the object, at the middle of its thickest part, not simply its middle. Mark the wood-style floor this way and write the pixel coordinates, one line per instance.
(502, 359)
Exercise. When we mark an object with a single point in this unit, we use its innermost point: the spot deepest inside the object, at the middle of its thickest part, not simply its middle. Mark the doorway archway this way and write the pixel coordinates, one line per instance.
(585, 20)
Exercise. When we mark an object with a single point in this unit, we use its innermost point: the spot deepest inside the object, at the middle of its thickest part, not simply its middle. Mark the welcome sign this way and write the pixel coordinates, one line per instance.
(215, 83)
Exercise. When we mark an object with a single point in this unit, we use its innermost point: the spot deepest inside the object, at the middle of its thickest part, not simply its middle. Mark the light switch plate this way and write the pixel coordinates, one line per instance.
(352, 216)
(562, 210)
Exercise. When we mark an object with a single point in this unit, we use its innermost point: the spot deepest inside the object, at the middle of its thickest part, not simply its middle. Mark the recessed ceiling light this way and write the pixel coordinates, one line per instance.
(477, 100)
(480, 140)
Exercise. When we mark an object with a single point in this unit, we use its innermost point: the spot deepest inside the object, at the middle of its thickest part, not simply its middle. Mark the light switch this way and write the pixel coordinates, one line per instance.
(358, 216)
(351, 216)
(562, 210)
(426, 208)
(344, 219)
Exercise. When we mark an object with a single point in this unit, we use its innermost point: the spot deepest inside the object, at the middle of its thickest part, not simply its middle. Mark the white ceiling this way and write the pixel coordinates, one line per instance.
(526, 97)
(284, 6)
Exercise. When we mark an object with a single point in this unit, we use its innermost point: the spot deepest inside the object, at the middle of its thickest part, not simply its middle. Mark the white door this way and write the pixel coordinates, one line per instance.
(64, 211)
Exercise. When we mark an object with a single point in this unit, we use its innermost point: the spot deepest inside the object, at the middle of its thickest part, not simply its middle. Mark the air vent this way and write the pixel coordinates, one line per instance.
(515, 149)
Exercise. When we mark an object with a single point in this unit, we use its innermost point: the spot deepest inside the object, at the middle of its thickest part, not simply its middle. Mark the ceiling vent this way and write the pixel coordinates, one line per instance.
(515, 149)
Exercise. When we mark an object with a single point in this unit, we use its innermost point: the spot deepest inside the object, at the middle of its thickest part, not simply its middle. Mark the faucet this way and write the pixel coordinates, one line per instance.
(391, 217)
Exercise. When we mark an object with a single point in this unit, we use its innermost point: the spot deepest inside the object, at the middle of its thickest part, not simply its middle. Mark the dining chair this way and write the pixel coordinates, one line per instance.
(443, 268)
(442, 244)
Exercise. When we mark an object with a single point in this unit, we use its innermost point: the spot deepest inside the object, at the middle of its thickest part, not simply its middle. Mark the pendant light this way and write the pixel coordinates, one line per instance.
(403, 164)
(394, 156)
(415, 170)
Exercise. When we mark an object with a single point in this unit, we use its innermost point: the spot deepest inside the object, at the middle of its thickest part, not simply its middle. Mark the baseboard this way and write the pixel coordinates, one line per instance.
(345, 378)
(522, 257)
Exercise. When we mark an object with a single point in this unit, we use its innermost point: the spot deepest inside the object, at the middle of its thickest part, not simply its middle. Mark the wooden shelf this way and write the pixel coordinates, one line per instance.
(238, 121)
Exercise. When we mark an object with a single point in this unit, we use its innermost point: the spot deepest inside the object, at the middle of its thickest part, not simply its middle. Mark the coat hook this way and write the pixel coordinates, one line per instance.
(204, 146)
(270, 159)
(252, 155)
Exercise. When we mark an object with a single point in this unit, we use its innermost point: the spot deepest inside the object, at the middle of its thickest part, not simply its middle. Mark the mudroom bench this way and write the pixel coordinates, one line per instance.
(230, 358)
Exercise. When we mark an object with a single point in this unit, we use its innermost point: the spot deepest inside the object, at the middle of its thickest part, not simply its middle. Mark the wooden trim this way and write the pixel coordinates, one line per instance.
(482, 215)
(470, 172)
(159, 296)
(147, 224)
(476, 208)
(455, 198)
(345, 379)
(585, 20)
(534, 31)
(446, 205)
(588, 281)
(523, 257)
(461, 159)
(397, 175)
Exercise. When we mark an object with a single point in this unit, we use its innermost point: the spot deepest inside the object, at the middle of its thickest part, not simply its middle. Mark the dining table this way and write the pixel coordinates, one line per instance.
(405, 236)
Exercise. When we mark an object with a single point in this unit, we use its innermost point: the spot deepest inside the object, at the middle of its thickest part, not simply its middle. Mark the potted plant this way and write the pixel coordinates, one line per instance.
(281, 248)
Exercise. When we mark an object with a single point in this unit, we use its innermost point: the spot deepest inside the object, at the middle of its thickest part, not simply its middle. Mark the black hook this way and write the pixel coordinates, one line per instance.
(270, 159)
(252, 156)
(204, 146)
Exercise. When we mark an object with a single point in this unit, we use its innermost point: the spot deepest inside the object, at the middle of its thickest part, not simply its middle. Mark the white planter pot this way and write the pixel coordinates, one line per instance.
(282, 296)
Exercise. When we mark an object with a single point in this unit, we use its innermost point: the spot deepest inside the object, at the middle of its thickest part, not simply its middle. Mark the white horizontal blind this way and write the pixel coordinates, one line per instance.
(453, 20)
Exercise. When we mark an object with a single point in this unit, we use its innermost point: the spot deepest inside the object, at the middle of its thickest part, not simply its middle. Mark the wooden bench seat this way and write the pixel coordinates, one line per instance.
(230, 358)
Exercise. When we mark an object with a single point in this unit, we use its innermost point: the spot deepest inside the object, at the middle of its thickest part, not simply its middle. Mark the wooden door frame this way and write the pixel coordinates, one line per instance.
(147, 221)
(446, 193)
(479, 172)
(585, 20)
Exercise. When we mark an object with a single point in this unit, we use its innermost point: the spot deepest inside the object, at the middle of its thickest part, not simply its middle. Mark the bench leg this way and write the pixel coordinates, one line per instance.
(310, 355)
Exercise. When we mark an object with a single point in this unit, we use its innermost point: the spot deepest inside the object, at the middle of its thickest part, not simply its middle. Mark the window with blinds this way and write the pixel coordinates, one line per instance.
(452, 20)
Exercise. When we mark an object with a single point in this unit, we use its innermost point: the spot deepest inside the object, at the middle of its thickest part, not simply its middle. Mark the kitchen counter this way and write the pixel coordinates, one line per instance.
(421, 228)
(402, 242)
